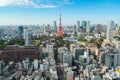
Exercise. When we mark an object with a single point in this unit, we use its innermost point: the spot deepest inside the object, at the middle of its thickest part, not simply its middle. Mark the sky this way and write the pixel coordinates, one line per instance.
(23, 12)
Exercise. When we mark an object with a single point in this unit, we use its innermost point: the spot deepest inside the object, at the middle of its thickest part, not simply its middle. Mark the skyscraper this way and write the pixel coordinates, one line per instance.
(110, 31)
(20, 28)
(78, 24)
(55, 25)
(60, 32)
(88, 27)
(1, 32)
(112, 59)
(112, 25)
(98, 28)
(20, 31)
(27, 37)
(75, 30)
(83, 24)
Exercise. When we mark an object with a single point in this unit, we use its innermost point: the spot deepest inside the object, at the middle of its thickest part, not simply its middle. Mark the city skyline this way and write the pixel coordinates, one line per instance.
(17, 12)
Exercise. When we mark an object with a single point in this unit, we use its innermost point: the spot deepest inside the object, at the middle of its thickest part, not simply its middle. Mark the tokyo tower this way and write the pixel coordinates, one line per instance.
(60, 32)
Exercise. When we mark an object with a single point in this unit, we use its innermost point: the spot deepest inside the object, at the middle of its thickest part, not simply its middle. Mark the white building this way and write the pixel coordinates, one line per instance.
(55, 25)
(35, 64)
(69, 74)
(67, 58)
(84, 59)
(72, 46)
(77, 78)
(118, 45)
(62, 50)
(52, 62)
(48, 51)
(111, 75)
(27, 37)
(96, 77)
(110, 30)
(71, 39)
(26, 64)
(112, 60)
(46, 65)
(88, 27)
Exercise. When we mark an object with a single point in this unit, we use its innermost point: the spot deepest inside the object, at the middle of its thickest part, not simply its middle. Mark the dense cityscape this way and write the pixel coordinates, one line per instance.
(53, 52)
(59, 39)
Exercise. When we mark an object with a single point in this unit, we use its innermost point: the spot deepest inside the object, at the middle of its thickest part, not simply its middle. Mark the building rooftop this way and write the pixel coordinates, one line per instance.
(19, 53)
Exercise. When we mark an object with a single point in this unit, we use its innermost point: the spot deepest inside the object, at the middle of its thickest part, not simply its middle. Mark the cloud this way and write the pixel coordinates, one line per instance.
(15, 2)
(107, 3)
(35, 3)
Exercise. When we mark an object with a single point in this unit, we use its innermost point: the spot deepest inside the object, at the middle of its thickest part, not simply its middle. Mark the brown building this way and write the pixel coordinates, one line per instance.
(19, 53)
(99, 28)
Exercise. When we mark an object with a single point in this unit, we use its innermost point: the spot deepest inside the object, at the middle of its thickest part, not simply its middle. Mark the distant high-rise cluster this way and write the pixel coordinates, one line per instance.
(83, 26)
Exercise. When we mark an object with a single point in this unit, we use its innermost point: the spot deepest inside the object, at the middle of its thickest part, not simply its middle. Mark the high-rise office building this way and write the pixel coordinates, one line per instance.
(75, 30)
(78, 52)
(110, 31)
(112, 24)
(55, 25)
(60, 32)
(35, 64)
(99, 28)
(20, 31)
(78, 24)
(67, 58)
(26, 64)
(111, 37)
(1, 32)
(20, 28)
(112, 60)
(27, 37)
(83, 24)
(88, 27)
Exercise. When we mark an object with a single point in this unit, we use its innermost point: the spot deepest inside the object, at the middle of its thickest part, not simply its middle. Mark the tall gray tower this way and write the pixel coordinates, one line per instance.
(55, 25)
(110, 31)
(1, 32)
(88, 27)
(27, 37)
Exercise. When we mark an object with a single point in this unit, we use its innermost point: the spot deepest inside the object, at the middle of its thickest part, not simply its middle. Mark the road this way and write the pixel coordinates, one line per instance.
(60, 72)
